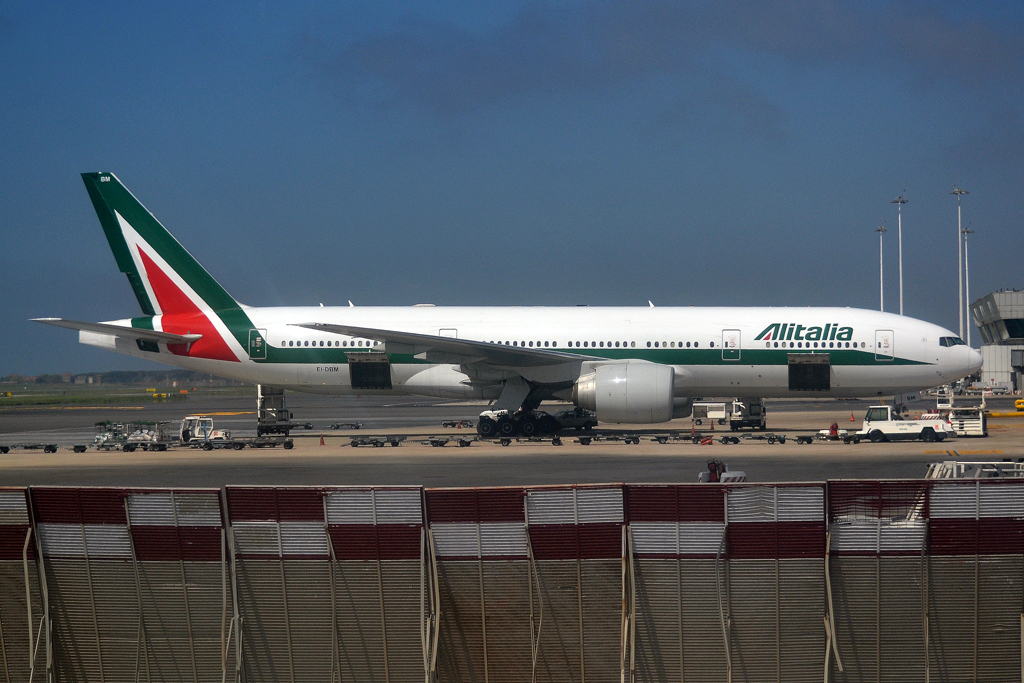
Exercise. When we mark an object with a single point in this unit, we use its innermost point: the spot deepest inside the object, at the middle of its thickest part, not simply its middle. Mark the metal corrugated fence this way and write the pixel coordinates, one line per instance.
(845, 581)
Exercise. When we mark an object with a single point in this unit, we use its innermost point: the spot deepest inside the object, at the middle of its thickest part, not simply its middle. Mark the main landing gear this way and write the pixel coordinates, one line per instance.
(505, 424)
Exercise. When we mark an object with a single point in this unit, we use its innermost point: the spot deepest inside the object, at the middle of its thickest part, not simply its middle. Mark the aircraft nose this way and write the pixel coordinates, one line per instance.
(973, 361)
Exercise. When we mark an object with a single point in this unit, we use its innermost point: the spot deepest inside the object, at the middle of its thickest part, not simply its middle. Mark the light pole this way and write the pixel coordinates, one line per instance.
(967, 278)
(899, 202)
(960, 238)
(881, 275)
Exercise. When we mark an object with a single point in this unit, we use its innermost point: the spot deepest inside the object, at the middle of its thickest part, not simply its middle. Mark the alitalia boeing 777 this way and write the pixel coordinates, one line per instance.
(631, 365)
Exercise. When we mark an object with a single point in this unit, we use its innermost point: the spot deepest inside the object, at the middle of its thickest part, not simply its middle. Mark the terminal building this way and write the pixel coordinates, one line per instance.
(1000, 318)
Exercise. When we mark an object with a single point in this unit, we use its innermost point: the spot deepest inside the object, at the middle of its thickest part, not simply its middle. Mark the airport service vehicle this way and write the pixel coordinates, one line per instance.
(628, 364)
(713, 412)
(1018, 404)
(748, 413)
(982, 469)
(272, 415)
(718, 473)
(577, 418)
(376, 441)
(147, 436)
(44, 447)
(968, 421)
(197, 431)
(882, 423)
(346, 425)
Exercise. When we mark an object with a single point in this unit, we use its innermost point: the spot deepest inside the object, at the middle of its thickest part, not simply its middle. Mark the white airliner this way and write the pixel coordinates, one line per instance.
(631, 365)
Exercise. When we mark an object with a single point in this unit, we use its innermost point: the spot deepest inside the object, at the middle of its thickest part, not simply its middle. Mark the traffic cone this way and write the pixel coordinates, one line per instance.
(851, 417)
(321, 439)
(712, 424)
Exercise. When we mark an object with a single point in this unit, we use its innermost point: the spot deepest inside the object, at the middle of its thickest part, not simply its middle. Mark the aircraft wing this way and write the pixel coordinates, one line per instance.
(121, 331)
(454, 350)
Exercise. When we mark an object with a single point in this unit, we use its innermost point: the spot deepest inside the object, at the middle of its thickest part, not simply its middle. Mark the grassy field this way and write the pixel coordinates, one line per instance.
(62, 394)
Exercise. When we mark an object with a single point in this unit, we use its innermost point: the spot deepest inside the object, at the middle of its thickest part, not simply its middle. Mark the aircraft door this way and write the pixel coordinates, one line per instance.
(258, 344)
(730, 344)
(884, 345)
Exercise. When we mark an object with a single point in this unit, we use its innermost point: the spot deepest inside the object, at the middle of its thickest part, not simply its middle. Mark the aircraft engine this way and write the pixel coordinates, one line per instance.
(627, 392)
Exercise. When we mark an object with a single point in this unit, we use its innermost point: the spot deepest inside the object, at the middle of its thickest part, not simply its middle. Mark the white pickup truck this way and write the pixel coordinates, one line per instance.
(882, 423)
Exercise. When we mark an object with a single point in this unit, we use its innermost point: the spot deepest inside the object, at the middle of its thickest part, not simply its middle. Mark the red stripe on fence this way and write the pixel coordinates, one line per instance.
(12, 541)
(452, 505)
(300, 504)
(168, 543)
(877, 499)
(475, 505)
(576, 542)
(770, 540)
(252, 504)
(985, 536)
(369, 542)
(79, 506)
(685, 503)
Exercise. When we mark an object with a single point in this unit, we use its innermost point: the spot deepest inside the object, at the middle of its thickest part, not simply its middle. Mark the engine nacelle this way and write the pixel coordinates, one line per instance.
(682, 407)
(627, 392)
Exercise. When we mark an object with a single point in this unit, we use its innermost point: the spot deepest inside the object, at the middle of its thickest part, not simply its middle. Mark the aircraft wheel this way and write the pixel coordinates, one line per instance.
(506, 426)
(548, 425)
(486, 428)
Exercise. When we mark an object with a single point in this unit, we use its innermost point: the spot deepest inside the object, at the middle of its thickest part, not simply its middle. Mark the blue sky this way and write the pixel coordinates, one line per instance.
(691, 153)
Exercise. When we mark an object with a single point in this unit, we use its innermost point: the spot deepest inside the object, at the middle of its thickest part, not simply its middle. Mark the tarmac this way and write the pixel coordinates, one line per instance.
(335, 462)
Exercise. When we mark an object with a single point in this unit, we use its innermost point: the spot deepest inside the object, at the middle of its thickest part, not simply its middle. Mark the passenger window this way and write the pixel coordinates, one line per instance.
(648, 344)
(632, 344)
(655, 344)
(695, 344)
(712, 344)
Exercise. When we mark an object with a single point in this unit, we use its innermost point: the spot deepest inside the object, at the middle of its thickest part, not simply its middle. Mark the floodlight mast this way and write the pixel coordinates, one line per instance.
(899, 202)
(960, 239)
(967, 279)
(881, 273)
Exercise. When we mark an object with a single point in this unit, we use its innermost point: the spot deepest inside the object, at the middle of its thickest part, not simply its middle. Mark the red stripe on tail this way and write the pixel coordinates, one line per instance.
(182, 316)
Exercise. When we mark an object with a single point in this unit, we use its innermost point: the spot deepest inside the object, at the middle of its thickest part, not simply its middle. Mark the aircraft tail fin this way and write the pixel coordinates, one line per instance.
(179, 295)
(163, 275)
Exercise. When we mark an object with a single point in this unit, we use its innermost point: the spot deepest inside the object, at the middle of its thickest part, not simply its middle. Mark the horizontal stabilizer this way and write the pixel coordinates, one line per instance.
(121, 331)
(465, 349)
